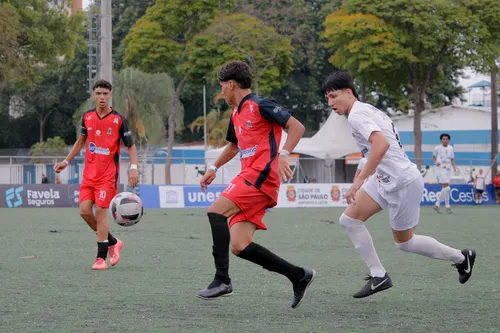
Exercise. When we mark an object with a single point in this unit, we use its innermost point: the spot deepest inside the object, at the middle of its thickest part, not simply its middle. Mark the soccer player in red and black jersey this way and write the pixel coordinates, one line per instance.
(102, 130)
(255, 130)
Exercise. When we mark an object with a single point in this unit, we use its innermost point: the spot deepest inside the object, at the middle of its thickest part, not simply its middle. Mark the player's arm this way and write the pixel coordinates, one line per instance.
(356, 175)
(434, 158)
(128, 141)
(77, 147)
(272, 111)
(380, 145)
(227, 155)
(453, 159)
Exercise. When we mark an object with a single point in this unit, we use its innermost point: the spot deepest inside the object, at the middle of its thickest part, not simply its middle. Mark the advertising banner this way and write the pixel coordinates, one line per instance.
(38, 196)
(459, 195)
(312, 195)
(194, 197)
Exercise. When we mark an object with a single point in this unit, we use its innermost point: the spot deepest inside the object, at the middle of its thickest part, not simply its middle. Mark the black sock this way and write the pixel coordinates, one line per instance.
(220, 248)
(261, 256)
(112, 241)
(102, 249)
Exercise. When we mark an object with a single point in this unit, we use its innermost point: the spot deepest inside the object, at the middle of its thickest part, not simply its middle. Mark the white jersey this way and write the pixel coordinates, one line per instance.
(480, 180)
(443, 156)
(395, 170)
(361, 163)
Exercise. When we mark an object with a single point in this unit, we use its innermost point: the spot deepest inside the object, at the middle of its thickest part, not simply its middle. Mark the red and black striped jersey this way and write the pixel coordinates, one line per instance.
(256, 126)
(102, 154)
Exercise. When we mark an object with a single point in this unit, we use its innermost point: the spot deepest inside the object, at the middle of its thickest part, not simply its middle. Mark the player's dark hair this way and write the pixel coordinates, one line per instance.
(443, 135)
(238, 71)
(102, 84)
(337, 81)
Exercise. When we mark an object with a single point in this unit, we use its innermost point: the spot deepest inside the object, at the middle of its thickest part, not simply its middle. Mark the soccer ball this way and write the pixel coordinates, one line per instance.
(126, 209)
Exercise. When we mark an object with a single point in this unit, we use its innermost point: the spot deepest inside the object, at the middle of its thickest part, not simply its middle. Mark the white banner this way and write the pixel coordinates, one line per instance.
(312, 195)
(171, 196)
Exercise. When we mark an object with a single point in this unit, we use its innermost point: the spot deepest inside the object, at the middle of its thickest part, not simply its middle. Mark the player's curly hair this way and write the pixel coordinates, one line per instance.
(337, 81)
(238, 71)
(102, 84)
(444, 135)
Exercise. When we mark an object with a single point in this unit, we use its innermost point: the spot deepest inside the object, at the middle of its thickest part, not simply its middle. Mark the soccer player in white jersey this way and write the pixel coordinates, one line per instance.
(444, 160)
(396, 184)
(479, 185)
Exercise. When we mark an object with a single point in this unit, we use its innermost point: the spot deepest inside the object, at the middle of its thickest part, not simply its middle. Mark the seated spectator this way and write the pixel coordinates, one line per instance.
(45, 180)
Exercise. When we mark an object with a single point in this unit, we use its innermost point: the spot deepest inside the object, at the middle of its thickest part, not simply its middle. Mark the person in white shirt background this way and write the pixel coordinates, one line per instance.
(479, 185)
(396, 184)
(444, 161)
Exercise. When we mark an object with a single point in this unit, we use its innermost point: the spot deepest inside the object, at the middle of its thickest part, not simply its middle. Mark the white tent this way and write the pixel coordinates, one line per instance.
(333, 140)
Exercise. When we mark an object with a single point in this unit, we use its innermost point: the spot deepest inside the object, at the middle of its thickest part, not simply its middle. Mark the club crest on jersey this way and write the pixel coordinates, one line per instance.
(109, 131)
(249, 124)
(89, 117)
(115, 121)
(291, 194)
(98, 132)
(335, 192)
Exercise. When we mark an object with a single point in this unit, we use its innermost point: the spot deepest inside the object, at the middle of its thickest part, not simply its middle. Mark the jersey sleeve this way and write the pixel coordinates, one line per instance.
(452, 152)
(272, 111)
(83, 127)
(362, 123)
(126, 134)
(231, 133)
(435, 152)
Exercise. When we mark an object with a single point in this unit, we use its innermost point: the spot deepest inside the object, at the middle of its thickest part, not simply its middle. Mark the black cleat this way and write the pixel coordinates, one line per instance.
(216, 289)
(374, 285)
(300, 287)
(465, 268)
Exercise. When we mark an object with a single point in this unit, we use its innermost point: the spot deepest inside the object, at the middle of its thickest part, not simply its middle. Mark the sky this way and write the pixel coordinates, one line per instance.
(85, 3)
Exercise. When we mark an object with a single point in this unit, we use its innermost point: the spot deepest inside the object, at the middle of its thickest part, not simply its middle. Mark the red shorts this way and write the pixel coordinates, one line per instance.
(100, 196)
(251, 201)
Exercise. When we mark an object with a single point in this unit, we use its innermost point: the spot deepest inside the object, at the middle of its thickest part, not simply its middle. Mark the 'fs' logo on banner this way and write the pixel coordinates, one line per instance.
(12, 193)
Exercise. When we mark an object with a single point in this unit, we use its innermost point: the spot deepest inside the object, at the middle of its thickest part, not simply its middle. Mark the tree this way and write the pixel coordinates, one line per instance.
(43, 37)
(240, 36)
(217, 123)
(125, 14)
(485, 58)
(144, 99)
(11, 65)
(400, 42)
(158, 43)
(53, 147)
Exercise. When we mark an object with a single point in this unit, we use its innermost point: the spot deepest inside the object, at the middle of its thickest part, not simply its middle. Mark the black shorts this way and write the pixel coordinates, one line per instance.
(479, 191)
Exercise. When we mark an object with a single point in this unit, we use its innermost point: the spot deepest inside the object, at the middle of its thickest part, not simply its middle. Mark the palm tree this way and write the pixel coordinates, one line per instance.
(217, 123)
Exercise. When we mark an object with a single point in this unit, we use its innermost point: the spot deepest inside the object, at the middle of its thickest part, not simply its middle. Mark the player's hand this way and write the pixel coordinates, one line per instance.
(58, 167)
(284, 169)
(207, 179)
(351, 193)
(133, 177)
(438, 164)
(454, 169)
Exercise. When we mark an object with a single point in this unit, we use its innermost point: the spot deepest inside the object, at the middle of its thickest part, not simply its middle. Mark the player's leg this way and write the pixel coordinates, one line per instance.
(86, 203)
(103, 199)
(242, 245)
(367, 203)
(218, 214)
(480, 196)
(404, 211)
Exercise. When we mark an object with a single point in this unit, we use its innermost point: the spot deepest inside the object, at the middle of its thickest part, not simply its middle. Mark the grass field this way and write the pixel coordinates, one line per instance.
(167, 258)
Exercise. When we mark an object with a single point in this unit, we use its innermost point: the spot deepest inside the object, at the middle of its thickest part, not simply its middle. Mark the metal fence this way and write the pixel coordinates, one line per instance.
(152, 170)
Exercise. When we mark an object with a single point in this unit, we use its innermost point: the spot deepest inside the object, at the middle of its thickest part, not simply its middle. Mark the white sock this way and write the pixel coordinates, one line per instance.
(447, 197)
(481, 199)
(441, 196)
(363, 243)
(429, 247)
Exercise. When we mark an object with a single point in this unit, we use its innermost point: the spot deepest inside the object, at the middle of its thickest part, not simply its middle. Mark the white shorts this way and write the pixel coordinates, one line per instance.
(443, 175)
(404, 204)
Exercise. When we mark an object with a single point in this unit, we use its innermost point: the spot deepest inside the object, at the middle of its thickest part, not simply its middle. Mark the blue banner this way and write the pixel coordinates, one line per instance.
(463, 194)
(150, 196)
(194, 197)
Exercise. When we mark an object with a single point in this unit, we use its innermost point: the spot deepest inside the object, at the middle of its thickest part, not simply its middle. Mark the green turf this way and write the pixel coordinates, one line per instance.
(167, 258)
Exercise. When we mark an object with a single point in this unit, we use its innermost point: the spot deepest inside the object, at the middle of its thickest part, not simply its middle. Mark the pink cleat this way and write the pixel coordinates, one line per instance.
(114, 252)
(99, 264)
